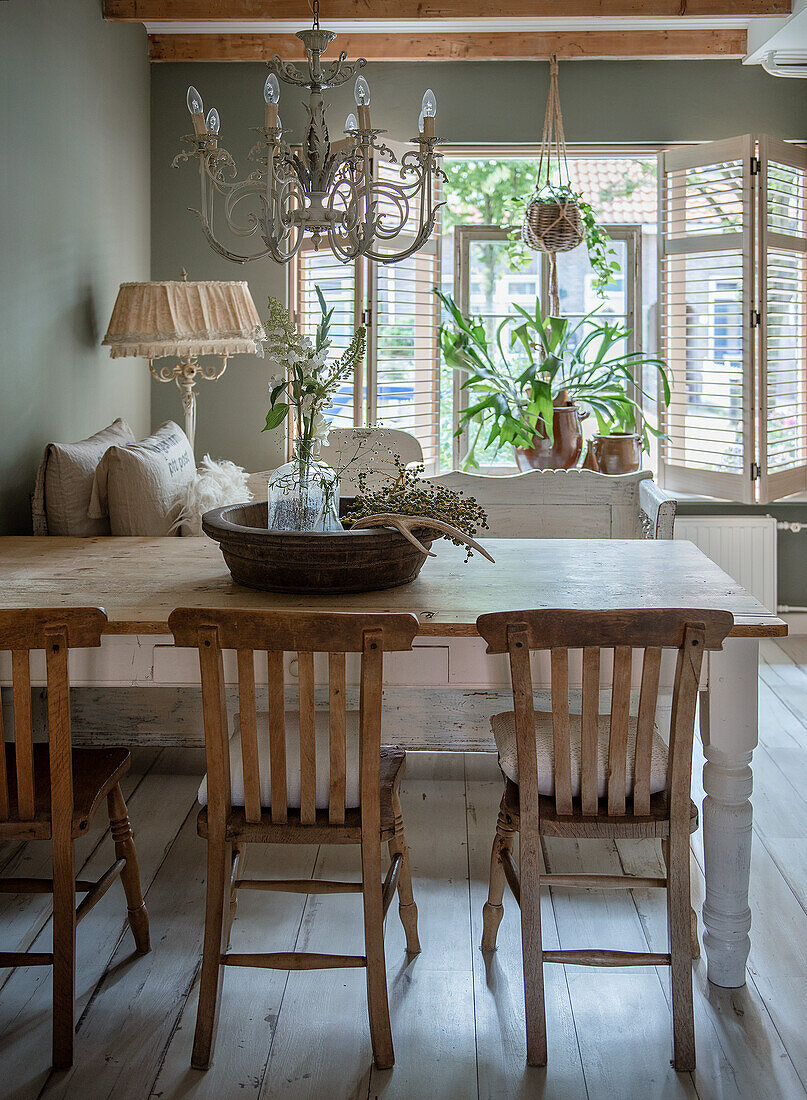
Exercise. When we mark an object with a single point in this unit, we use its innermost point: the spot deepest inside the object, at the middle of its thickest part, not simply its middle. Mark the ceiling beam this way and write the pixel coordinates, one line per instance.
(155, 11)
(458, 47)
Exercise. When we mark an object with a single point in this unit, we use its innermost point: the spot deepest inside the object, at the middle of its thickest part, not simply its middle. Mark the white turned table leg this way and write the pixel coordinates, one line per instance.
(729, 732)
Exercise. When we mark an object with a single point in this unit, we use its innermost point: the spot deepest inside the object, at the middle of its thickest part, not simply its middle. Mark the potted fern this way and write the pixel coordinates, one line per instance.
(532, 386)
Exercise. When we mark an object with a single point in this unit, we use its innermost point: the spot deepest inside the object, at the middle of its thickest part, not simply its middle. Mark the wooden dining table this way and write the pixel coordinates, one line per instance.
(139, 581)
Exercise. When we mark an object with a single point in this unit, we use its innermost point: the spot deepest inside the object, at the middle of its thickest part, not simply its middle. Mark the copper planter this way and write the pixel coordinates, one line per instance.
(560, 454)
(620, 453)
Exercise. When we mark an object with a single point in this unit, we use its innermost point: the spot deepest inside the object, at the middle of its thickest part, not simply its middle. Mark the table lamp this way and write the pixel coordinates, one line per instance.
(184, 320)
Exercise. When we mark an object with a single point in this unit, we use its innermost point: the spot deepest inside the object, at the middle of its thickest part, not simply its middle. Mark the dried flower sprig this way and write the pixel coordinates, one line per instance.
(407, 493)
(308, 381)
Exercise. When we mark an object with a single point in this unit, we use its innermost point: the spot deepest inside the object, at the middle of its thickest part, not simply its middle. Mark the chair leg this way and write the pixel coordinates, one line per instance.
(679, 911)
(237, 865)
(531, 948)
(130, 875)
(377, 998)
(493, 909)
(219, 865)
(407, 909)
(64, 951)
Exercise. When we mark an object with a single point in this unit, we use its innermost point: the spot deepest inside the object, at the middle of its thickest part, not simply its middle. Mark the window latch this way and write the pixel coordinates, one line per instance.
(756, 320)
(756, 472)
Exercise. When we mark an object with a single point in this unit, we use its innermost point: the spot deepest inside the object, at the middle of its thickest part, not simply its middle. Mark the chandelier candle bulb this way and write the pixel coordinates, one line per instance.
(351, 123)
(271, 96)
(213, 122)
(197, 110)
(361, 93)
(428, 113)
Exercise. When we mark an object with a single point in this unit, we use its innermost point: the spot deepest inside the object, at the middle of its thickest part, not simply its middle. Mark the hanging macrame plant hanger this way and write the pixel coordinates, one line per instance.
(552, 219)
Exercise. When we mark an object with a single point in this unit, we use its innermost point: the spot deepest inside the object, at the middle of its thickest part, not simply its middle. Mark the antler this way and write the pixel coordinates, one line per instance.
(405, 524)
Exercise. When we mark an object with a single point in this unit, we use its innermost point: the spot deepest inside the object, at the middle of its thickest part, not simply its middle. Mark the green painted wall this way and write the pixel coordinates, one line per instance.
(74, 223)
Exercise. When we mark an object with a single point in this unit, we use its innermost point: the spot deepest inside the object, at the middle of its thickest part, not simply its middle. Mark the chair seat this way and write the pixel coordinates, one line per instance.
(392, 765)
(504, 734)
(655, 824)
(95, 773)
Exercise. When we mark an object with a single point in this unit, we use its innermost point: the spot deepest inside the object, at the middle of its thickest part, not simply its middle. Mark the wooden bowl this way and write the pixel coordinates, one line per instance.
(321, 563)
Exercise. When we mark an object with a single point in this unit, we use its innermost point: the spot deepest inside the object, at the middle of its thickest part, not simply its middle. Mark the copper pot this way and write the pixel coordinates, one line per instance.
(561, 454)
(620, 453)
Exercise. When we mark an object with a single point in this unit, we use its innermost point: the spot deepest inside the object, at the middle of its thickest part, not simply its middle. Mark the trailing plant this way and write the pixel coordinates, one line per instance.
(307, 383)
(405, 492)
(539, 361)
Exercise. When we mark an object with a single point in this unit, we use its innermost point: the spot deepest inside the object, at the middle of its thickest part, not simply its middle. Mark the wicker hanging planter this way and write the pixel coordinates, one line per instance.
(552, 219)
(552, 226)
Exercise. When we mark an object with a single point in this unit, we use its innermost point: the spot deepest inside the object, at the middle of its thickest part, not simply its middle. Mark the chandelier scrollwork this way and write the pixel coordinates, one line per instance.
(353, 192)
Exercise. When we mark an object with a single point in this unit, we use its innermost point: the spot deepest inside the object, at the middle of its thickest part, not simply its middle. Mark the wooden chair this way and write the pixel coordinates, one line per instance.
(50, 791)
(294, 787)
(569, 504)
(600, 776)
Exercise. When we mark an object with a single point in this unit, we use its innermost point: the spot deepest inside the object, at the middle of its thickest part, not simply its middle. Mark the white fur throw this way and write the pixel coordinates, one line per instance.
(215, 484)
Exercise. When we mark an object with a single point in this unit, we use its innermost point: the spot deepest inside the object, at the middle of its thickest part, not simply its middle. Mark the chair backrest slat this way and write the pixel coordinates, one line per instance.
(618, 739)
(682, 718)
(689, 631)
(60, 750)
(249, 735)
(308, 743)
(23, 733)
(277, 737)
(590, 730)
(648, 698)
(5, 801)
(54, 630)
(304, 634)
(560, 730)
(337, 731)
(217, 734)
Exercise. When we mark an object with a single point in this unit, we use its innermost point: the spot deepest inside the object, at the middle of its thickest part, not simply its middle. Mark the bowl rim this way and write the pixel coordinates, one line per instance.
(216, 523)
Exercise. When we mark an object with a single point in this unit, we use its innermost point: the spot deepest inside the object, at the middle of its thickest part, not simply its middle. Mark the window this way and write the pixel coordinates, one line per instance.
(404, 382)
(481, 279)
(733, 231)
(400, 383)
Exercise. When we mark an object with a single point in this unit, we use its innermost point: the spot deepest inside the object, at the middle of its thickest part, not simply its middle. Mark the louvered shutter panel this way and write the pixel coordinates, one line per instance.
(783, 318)
(341, 285)
(706, 298)
(404, 352)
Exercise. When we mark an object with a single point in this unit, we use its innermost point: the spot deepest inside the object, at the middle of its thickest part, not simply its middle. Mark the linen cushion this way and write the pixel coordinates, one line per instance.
(142, 485)
(322, 736)
(504, 734)
(61, 500)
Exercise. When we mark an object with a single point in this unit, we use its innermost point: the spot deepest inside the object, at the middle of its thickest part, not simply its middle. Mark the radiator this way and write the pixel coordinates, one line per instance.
(743, 546)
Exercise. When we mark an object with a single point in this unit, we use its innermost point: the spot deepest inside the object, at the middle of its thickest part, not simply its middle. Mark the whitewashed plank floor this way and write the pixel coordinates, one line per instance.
(458, 1018)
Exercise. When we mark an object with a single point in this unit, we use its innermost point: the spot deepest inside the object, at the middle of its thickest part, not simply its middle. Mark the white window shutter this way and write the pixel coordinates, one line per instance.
(404, 350)
(342, 286)
(783, 318)
(706, 296)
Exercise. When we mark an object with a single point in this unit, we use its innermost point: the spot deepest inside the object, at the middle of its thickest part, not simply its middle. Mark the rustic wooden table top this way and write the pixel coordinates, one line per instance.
(139, 581)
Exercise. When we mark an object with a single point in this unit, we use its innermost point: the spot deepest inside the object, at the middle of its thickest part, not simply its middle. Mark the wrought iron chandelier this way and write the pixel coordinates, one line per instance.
(320, 188)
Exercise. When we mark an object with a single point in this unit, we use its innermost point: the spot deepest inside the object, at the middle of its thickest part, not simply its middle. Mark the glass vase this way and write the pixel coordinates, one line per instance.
(303, 495)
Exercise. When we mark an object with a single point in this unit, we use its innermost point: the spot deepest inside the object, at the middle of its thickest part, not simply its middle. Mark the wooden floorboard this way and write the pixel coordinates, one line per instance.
(458, 1017)
(498, 980)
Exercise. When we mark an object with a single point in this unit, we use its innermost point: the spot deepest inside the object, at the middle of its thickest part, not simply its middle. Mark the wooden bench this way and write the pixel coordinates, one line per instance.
(550, 504)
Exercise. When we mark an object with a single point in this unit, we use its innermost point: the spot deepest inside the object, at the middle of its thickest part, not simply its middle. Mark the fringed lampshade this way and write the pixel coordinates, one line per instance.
(186, 320)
